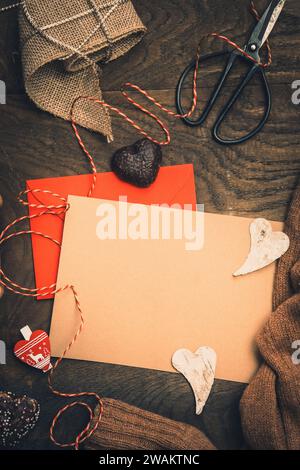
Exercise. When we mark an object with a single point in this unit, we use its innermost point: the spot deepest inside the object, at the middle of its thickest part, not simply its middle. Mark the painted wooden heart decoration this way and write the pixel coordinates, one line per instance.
(36, 351)
(139, 163)
(266, 247)
(199, 370)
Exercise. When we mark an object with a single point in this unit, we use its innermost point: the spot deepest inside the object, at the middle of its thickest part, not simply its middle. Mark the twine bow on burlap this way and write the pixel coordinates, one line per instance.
(60, 45)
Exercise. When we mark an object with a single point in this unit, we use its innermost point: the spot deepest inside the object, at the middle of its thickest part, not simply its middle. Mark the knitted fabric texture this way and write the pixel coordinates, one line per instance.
(126, 427)
(60, 45)
(270, 406)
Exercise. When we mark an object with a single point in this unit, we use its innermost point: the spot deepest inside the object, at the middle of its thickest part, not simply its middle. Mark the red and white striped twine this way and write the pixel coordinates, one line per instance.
(144, 93)
(62, 206)
(12, 286)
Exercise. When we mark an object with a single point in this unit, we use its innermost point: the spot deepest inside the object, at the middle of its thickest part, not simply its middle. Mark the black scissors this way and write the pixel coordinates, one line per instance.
(258, 37)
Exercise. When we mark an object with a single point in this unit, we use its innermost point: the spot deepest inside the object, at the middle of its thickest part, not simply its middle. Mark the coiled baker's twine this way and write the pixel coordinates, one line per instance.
(144, 93)
(62, 206)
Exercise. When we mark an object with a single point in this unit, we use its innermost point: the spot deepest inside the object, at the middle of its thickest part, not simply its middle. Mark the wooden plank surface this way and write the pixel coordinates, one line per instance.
(256, 179)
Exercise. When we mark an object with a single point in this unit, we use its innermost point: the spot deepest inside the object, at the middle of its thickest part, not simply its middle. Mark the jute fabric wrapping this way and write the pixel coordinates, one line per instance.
(61, 42)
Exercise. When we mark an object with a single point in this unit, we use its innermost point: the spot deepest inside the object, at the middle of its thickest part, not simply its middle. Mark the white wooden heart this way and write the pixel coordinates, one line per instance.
(266, 247)
(199, 370)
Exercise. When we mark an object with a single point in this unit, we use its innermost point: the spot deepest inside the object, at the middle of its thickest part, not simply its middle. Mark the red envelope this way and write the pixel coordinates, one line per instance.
(174, 185)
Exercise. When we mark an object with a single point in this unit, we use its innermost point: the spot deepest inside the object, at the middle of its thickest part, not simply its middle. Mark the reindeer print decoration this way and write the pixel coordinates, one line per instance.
(34, 350)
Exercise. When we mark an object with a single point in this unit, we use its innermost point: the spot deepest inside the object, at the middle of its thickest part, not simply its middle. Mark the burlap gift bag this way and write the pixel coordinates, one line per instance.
(61, 41)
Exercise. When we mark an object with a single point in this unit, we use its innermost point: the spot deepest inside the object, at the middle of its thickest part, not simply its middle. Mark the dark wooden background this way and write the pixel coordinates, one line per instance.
(255, 179)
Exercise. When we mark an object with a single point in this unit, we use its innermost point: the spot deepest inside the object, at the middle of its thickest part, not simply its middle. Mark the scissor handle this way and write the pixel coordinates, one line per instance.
(253, 70)
(233, 56)
(198, 122)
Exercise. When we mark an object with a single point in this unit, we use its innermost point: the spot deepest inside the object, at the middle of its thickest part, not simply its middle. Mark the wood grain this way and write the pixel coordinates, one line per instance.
(174, 32)
(256, 179)
(252, 179)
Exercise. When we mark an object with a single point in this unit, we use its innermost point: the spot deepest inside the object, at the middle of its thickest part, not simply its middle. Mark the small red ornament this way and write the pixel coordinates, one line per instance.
(34, 350)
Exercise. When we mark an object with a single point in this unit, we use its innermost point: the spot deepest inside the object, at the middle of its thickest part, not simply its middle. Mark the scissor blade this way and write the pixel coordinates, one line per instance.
(266, 24)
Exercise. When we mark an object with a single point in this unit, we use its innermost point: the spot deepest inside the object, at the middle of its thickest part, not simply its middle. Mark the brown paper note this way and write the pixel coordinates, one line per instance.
(144, 299)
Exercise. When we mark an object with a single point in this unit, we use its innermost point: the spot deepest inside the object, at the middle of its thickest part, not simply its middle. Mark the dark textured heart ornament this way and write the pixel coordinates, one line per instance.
(139, 163)
(18, 415)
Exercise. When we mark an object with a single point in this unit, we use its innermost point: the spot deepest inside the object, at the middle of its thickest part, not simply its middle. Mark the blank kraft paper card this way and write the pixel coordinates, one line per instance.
(142, 299)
